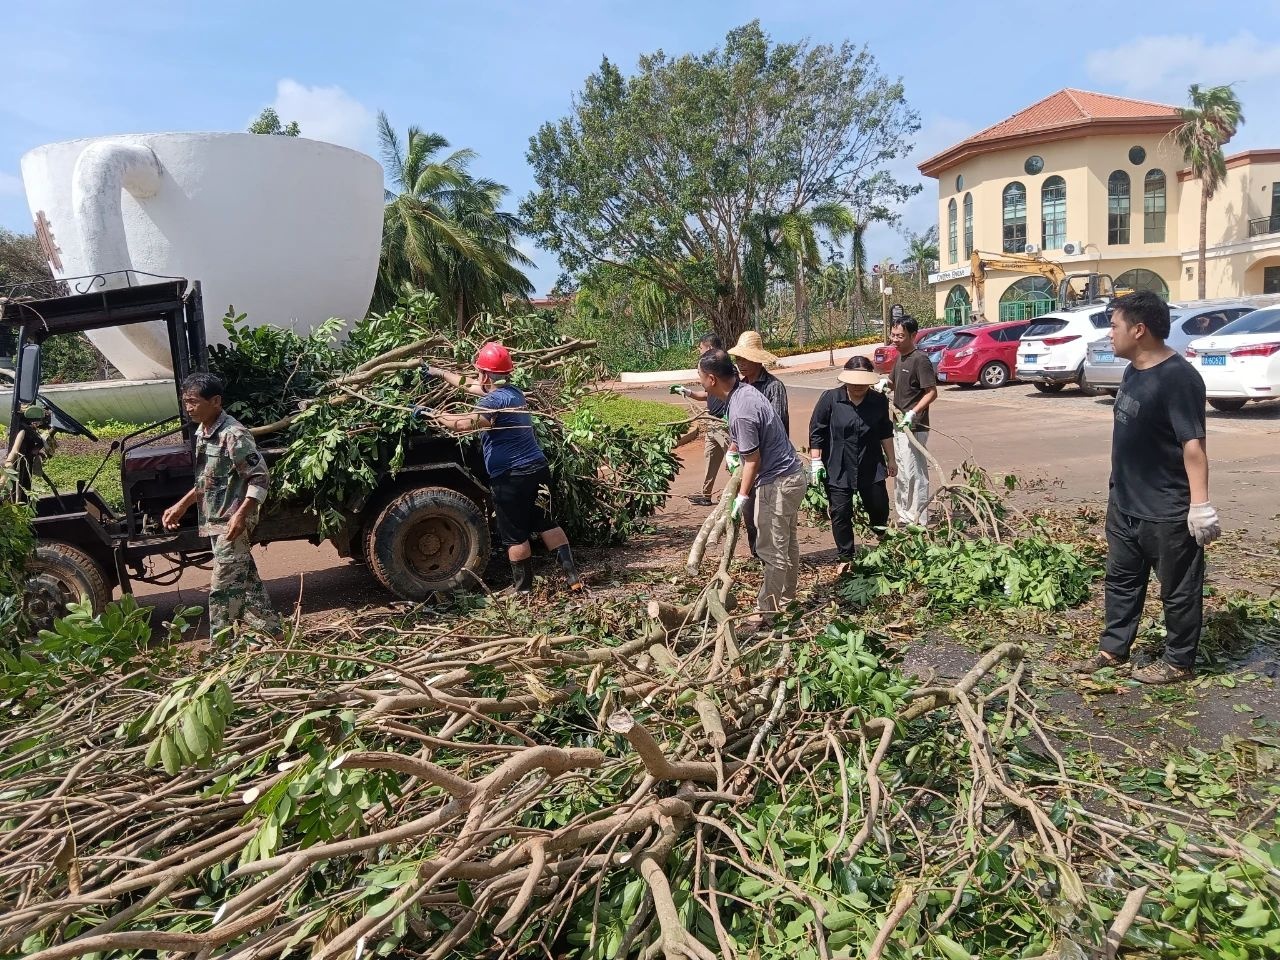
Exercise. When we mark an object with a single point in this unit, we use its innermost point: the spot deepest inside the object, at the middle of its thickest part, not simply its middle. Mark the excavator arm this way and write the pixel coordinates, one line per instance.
(980, 263)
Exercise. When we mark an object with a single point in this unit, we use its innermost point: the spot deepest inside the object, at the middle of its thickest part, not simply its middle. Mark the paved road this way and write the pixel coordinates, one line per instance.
(1062, 439)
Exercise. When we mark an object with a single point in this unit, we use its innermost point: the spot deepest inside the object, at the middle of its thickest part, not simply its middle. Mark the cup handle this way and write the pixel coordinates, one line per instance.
(102, 173)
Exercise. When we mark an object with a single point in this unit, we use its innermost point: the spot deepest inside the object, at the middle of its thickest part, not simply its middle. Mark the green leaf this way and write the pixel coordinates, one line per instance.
(951, 949)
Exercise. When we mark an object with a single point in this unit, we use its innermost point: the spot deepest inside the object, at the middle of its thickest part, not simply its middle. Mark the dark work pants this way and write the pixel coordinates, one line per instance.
(749, 517)
(875, 500)
(1135, 548)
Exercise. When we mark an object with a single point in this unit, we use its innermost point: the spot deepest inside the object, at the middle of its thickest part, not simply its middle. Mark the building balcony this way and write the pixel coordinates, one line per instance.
(1264, 225)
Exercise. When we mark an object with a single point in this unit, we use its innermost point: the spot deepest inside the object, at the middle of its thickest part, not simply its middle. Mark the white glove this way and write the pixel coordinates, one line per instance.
(738, 503)
(883, 385)
(1202, 523)
(733, 460)
(818, 471)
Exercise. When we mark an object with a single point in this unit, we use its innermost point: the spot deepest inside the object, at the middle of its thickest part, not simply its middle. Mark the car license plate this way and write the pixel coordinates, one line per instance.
(1029, 358)
(1213, 360)
(942, 376)
(1104, 358)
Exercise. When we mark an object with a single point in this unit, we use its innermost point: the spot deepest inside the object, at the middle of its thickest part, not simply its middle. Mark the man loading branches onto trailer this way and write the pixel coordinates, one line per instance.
(231, 484)
(517, 467)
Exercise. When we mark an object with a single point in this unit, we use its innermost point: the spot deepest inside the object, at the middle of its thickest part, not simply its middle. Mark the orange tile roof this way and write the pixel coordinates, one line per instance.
(1065, 113)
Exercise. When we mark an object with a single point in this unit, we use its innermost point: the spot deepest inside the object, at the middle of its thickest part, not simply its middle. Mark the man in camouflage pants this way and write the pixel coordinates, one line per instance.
(231, 483)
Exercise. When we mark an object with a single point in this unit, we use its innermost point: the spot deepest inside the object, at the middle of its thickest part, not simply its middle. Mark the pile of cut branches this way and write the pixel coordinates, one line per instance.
(598, 782)
(343, 412)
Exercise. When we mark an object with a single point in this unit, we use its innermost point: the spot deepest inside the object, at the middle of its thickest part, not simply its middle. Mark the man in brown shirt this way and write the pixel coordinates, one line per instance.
(915, 387)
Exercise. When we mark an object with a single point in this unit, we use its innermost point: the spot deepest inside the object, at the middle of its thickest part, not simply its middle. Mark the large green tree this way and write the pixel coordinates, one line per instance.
(1207, 124)
(444, 229)
(663, 173)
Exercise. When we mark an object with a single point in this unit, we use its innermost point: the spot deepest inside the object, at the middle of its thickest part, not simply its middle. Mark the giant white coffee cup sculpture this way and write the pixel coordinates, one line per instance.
(286, 229)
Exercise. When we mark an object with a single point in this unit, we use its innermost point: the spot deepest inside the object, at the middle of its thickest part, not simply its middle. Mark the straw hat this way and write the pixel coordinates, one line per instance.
(751, 347)
(864, 378)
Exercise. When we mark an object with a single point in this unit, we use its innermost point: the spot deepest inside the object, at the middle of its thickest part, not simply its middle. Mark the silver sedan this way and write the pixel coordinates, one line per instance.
(1103, 370)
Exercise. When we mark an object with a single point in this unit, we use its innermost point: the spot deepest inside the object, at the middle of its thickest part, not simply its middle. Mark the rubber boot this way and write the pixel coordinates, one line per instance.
(565, 556)
(522, 575)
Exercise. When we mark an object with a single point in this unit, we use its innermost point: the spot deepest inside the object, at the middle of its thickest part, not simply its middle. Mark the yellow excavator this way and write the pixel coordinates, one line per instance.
(1072, 288)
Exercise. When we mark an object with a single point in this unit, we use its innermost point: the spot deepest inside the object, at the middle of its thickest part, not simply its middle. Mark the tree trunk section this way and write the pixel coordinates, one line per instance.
(802, 314)
(1204, 230)
(733, 318)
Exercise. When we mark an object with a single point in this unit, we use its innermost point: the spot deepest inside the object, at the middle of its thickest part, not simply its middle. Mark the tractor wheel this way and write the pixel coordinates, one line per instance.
(59, 575)
(429, 540)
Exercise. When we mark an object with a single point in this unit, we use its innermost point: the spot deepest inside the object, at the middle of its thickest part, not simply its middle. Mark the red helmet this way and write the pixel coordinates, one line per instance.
(494, 358)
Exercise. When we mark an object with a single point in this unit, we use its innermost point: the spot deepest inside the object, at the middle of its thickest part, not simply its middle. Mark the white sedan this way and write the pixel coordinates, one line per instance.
(1241, 362)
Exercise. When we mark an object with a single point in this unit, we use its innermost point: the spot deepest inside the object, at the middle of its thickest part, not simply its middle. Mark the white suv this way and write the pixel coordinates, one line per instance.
(1052, 351)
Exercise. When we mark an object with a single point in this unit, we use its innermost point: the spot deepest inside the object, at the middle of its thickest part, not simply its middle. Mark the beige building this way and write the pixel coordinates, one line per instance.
(1095, 183)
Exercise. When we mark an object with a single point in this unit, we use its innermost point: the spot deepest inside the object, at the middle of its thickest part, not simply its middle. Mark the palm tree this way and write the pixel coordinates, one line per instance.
(922, 251)
(1210, 121)
(797, 233)
(443, 230)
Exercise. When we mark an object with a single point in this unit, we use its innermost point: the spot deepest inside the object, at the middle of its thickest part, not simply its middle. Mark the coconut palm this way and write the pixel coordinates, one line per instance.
(1207, 124)
(922, 252)
(790, 241)
(443, 229)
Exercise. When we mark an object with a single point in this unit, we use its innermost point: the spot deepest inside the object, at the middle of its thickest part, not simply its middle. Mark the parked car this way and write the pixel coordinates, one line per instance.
(984, 354)
(884, 356)
(1053, 349)
(1103, 370)
(1241, 362)
(935, 345)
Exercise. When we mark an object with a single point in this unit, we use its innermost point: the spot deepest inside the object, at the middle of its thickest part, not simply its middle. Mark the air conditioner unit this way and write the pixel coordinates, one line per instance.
(1030, 248)
(1073, 248)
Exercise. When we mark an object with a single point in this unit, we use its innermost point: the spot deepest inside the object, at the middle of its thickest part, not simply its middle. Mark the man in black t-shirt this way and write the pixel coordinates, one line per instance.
(915, 387)
(1158, 513)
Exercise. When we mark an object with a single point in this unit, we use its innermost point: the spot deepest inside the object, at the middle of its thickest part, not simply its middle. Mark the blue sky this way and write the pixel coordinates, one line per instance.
(486, 74)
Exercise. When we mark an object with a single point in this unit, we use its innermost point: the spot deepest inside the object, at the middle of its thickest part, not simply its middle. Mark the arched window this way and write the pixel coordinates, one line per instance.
(1053, 214)
(1118, 208)
(1015, 217)
(1143, 279)
(951, 231)
(968, 225)
(957, 308)
(1027, 298)
(1153, 207)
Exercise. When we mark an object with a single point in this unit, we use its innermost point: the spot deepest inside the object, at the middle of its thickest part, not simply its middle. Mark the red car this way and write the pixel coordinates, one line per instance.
(884, 356)
(985, 354)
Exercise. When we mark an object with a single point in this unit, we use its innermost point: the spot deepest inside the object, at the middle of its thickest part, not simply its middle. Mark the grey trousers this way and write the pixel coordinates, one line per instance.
(911, 485)
(777, 513)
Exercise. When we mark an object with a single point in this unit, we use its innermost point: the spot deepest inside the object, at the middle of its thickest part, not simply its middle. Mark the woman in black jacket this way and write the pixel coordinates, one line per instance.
(851, 444)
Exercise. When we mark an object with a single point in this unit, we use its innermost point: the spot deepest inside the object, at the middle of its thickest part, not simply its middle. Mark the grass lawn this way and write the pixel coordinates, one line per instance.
(645, 416)
(76, 458)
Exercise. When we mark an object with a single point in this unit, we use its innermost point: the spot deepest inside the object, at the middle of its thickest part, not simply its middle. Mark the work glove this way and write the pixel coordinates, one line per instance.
(905, 421)
(422, 412)
(883, 385)
(738, 503)
(1202, 523)
(679, 390)
(732, 461)
(818, 473)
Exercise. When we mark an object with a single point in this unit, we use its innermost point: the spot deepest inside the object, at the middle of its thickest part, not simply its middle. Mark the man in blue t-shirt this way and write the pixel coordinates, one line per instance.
(1158, 512)
(517, 467)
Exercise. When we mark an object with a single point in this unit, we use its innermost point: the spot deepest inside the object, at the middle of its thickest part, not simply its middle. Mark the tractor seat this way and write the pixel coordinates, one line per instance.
(155, 458)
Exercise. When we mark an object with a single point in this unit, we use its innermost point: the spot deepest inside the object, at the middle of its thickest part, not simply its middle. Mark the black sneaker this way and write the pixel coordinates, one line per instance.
(700, 501)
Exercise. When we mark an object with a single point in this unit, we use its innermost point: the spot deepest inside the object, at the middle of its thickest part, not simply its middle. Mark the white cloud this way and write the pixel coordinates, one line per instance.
(1165, 65)
(325, 113)
(10, 185)
(1162, 67)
